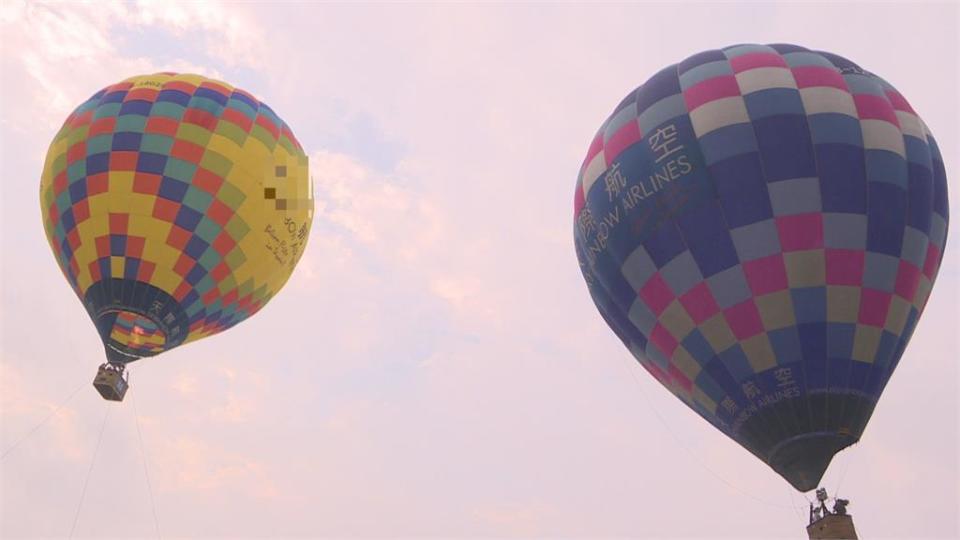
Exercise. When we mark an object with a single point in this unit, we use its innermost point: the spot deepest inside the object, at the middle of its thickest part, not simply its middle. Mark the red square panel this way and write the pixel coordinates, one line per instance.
(766, 275)
(165, 209)
(187, 151)
(183, 265)
(102, 126)
(908, 278)
(844, 266)
(118, 223)
(207, 181)
(219, 212)
(873, 307)
(146, 183)
(81, 211)
(800, 232)
(933, 261)
(656, 294)
(178, 237)
(744, 319)
(123, 160)
(77, 152)
(699, 303)
(97, 183)
(664, 340)
(161, 125)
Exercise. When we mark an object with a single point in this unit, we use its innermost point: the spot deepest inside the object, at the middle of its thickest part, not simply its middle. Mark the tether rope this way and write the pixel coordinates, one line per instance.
(42, 422)
(146, 471)
(86, 480)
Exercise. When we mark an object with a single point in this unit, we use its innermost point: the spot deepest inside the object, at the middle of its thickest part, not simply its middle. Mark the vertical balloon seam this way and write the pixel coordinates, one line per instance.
(815, 156)
(887, 370)
(797, 415)
(816, 167)
(864, 408)
(764, 438)
(746, 437)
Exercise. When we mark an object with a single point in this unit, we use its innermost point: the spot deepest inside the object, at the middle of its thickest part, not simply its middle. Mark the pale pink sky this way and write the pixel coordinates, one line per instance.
(435, 367)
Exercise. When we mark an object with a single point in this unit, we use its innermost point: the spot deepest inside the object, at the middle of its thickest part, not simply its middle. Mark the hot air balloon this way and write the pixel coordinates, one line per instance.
(761, 226)
(176, 206)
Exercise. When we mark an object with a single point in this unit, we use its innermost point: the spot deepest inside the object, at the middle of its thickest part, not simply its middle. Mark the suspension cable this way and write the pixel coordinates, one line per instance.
(40, 424)
(86, 480)
(146, 471)
(847, 460)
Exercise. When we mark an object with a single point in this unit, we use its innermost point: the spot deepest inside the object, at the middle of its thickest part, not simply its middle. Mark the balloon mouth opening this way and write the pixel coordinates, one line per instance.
(131, 335)
(135, 319)
(803, 459)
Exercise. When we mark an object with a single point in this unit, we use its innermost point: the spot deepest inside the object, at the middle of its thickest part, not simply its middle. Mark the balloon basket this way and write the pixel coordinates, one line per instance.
(110, 382)
(832, 527)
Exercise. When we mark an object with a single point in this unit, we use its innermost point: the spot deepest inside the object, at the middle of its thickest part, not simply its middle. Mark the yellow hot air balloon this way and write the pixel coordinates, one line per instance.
(176, 206)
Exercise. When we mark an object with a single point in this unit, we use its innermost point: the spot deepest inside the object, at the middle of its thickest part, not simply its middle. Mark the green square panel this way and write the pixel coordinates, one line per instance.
(230, 195)
(59, 164)
(228, 283)
(245, 288)
(197, 199)
(108, 110)
(75, 136)
(156, 144)
(167, 109)
(217, 163)
(205, 104)
(131, 122)
(209, 259)
(237, 228)
(235, 258)
(204, 285)
(207, 229)
(99, 144)
(179, 169)
(231, 131)
(76, 170)
(195, 307)
(264, 136)
(286, 144)
(193, 133)
(243, 107)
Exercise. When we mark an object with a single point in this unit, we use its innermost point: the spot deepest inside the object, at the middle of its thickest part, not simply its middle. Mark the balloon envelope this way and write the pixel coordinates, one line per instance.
(176, 206)
(761, 226)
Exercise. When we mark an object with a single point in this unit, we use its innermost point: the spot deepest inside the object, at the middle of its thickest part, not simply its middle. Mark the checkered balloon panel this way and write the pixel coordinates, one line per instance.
(762, 226)
(176, 206)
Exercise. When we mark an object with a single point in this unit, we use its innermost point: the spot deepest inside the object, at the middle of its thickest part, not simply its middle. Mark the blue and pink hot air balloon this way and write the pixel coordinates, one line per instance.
(761, 226)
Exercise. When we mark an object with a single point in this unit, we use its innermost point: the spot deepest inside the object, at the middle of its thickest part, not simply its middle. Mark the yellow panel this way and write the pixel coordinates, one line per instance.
(843, 303)
(805, 268)
(116, 267)
(866, 340)
(685, 363)
(704, 400)
(776, 310)
(141, 204)
(676, 320)
(718, 333)
(759, 352)
(897, 315)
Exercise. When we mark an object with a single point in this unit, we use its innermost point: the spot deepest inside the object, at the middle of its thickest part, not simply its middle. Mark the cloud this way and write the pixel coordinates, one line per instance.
(35, 423)
(381, 212)
(68, 49)
(197, 466)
